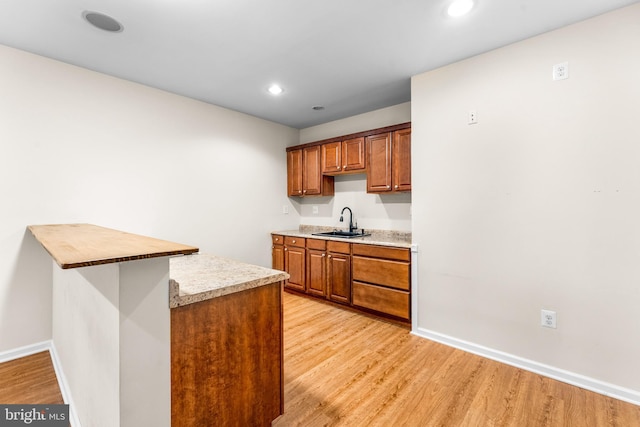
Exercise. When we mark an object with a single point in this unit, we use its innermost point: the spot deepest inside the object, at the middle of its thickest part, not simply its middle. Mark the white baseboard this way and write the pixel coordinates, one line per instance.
(28, 350)
(64, 386)
(601, 387)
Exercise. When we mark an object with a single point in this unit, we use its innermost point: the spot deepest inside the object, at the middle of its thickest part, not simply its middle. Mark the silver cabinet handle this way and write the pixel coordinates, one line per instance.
(293, 241)
(388, 186)
(285, 249)
(338, 167)
(323, 254)
(329, 256)
(396, 186)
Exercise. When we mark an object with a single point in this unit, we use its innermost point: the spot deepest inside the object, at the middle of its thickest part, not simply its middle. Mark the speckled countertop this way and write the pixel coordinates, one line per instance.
(400, 239)
(200, 277)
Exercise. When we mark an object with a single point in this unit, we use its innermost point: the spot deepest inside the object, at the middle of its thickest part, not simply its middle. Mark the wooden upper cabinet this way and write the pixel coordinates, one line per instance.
(294, 173)
(389, 162)
(331, 157)
(346, 156)
(401, 158)
(304, 176)
(379, 163)
(311, 174)
(353, 155)
(384, 154)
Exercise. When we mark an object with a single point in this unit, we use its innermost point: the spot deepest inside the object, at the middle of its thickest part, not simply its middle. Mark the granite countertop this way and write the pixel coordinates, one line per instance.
(84, 245)
(200, 277)
(399, 239)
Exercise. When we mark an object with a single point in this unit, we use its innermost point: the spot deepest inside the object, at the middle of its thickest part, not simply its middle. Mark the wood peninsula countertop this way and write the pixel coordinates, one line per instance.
(200, 277)
(84, 245)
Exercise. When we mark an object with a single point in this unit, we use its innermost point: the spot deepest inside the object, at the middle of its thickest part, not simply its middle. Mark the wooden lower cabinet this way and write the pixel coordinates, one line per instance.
(339, 271)
(317, 267)
(378, 298)
(316, 272)
(375, 279)
(277, 252)
(295, 261)
(227, 360)
(385, 272)
(339, 277)
(382, 279)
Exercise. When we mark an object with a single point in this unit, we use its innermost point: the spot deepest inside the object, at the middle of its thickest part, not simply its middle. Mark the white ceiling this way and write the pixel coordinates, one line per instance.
(350, 56)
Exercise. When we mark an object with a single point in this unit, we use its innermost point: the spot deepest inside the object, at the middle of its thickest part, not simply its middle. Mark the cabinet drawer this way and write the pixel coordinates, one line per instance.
(277, 239)
(341, 247)
(398, 254)
(389, 301)
(318, 244)
(384, 272)
(294, 241)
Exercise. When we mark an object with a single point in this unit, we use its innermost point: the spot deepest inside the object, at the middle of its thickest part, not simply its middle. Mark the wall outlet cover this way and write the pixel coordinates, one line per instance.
(561, 71)
(548, 319)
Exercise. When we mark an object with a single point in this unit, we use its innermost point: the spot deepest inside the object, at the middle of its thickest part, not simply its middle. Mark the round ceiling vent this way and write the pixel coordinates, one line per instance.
(102, 21)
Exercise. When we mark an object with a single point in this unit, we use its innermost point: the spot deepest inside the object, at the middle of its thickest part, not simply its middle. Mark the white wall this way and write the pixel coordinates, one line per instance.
(538, 205)
(382, 212)
(389, 116)
(78, 146)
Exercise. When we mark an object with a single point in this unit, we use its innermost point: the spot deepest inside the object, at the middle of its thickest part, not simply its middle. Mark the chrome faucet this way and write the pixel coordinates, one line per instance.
(352, 228)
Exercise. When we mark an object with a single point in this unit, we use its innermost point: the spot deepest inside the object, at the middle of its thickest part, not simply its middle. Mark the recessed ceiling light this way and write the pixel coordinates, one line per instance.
(275, 90)
(102, 21)
(460, 7)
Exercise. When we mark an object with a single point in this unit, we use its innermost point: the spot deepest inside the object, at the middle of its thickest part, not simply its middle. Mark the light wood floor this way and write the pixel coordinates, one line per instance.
(30, 379)
(345, 369)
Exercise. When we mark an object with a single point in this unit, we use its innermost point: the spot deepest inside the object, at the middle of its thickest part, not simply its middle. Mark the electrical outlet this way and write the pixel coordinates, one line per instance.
(314, 210)
(285, 209)
(473, 117)
(548, 319)
(561, 71)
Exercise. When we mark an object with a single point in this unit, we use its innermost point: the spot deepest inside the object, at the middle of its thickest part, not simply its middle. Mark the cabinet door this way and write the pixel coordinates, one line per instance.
(339, 277)
(379, 163)
(277, 257)
(294, 263)
(331, 157)
(353, 154)
(316, 272)
(294, 173)
(402, 160)
(311, 174)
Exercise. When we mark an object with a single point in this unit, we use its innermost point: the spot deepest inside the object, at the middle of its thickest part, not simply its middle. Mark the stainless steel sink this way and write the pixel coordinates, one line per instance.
(344, 234)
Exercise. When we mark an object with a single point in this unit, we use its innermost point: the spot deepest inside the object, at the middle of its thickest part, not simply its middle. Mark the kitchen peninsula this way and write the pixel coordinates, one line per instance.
(138, 345)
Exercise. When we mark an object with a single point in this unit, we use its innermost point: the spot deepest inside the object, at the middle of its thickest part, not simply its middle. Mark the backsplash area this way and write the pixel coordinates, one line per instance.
(370, 211)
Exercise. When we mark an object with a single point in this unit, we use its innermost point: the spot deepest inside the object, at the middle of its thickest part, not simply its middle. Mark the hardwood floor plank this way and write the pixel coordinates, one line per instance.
(346, 369)
(30, 379)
